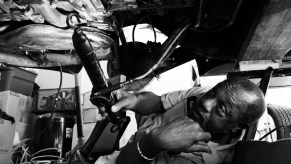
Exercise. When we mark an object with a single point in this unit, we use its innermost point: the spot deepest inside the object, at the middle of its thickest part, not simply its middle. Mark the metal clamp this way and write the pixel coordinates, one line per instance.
(5, 116)
(71, 23)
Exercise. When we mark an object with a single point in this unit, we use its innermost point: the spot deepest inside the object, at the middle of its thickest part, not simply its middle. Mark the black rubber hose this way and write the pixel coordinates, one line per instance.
(87, 56)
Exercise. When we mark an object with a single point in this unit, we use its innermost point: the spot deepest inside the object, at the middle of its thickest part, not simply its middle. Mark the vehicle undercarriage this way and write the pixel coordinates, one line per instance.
(40, 34)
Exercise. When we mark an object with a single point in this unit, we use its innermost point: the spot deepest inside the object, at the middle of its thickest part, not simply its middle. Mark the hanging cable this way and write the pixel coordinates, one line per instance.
(155, 34)
(47, 149)
(21, 144)
(44, 156)
(58, 92)
(276, 128)
(54, 102)
(133, 30)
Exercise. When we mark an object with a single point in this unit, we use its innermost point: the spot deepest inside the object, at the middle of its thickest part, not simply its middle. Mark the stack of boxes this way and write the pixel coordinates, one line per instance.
(16, 87)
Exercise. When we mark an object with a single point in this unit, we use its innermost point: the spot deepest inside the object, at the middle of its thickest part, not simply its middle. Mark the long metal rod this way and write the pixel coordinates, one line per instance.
(90, 143)
(264, 85)
(79, 114)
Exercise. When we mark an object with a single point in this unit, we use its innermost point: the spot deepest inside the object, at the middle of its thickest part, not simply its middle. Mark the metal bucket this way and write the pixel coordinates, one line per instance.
(54, 134)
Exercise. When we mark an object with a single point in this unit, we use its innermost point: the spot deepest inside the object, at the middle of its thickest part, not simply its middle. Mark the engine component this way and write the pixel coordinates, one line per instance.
(52, 15)
(96, 75)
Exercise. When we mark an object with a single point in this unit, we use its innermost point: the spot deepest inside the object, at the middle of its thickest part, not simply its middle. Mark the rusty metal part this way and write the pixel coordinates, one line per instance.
(73, 20)
(37, 38)
(19, 12)
(13, 59)
(64, 59)
(41, 37)
(4, 7)
(161, 5)
(65, 5)
(90, 10)
(27, 2)
(97, 4)
(51, 15)
(24, 61)
(20, 59)
(32, 15)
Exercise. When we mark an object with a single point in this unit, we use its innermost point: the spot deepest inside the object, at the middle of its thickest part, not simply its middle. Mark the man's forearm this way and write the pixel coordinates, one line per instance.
(139, 151)
(129, 154)
(149, 103)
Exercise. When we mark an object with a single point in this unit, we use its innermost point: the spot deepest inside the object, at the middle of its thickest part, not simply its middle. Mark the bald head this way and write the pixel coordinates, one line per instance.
(245, 96)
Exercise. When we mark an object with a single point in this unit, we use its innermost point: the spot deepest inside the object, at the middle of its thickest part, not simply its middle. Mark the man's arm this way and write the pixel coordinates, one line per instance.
(130, 155)
(172, 98)
(180, 135)
(144, 103)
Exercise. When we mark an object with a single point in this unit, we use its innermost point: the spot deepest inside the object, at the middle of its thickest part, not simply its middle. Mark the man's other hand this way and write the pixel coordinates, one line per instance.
(181, 135)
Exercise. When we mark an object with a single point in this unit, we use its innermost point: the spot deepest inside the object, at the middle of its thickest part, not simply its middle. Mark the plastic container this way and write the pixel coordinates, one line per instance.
(17, 80)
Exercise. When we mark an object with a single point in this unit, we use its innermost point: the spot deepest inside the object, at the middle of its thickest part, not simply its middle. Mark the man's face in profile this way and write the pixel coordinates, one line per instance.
(217, 112)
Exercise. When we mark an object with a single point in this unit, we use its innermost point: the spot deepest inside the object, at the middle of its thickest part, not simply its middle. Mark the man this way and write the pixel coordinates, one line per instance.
(200, 125)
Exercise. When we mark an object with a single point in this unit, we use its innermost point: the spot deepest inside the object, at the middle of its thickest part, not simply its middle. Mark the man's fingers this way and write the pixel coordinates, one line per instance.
(198, 147)
(120, 93)
(203, 136)
(123, 92)
(101, 111)
(115, 108)
(117, 94)
(119, 105)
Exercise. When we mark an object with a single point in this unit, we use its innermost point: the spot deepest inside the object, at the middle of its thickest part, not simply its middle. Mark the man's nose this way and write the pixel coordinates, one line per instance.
(209, 105)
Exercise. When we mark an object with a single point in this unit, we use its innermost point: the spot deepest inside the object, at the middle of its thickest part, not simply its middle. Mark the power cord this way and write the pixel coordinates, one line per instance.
(54, 103)
(133, 30)
(21, 149)
(58, 92)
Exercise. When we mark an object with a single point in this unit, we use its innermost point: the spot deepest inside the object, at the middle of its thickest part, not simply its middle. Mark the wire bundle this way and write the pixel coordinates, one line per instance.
(27, 158)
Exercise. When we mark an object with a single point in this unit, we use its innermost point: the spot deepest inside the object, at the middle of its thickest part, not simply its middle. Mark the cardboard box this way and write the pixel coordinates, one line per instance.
(9, 104)
(18, 106)
(86, 101)
(91, 115)
(24, 109)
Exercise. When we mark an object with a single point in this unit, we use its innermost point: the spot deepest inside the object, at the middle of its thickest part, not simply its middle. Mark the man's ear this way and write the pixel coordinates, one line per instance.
(238, 129)
(245, 125)
(235, 130)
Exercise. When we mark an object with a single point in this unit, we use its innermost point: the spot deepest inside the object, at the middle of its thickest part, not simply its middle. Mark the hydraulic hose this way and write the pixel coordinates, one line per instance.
(87, 56)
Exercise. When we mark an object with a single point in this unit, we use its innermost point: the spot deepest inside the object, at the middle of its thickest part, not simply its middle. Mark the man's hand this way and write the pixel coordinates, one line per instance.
(180, 135)
(125, 99)
(144, 103)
